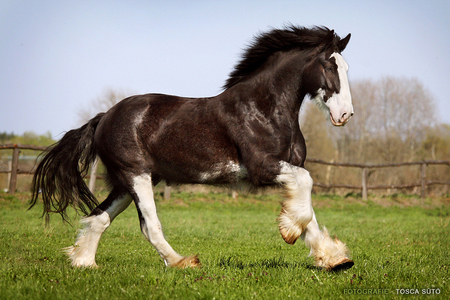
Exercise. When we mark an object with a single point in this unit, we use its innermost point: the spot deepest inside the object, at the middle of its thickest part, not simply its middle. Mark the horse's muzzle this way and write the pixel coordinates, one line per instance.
(342, 121)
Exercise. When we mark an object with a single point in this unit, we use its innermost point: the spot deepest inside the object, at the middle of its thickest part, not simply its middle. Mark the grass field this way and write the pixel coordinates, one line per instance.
(398, 250)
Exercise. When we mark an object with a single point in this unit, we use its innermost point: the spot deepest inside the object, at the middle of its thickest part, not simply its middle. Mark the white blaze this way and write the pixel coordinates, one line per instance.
(339, 105)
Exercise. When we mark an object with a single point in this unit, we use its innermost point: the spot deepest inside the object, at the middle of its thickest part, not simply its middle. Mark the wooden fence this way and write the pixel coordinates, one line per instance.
(14, 171)
(422, 182)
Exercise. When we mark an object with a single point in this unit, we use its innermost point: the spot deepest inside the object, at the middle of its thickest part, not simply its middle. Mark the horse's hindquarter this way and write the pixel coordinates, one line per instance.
(116, 138)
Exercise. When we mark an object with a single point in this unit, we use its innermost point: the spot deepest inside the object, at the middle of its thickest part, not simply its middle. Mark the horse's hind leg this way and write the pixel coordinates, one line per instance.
(297, 219)
(151, 227)
(82, 254)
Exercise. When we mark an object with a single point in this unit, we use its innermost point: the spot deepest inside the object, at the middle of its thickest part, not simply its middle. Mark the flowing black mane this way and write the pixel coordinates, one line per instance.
(266, 44)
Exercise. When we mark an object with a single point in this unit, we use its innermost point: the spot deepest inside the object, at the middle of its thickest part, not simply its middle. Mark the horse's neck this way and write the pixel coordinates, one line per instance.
(280, 79)
(284, 95)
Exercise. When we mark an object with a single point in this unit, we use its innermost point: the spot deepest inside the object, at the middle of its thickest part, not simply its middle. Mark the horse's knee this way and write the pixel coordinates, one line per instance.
(294, 178)
(304, 178)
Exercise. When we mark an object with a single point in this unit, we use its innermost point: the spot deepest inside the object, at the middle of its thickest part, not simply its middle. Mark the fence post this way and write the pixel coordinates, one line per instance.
(9, 172)
(14, 169)
(234, 190)
(364, 183)
(423, 176)
(93, 175)
(167, 190)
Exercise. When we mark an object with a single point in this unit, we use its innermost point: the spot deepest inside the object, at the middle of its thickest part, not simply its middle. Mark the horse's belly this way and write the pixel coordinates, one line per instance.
(219, 172)
(223, 172)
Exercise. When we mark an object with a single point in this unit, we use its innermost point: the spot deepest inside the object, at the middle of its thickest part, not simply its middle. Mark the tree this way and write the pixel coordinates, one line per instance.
(101, 104)
(394, 121)
(5, 137)
(436, 145)
(319, 143)
(391, 119)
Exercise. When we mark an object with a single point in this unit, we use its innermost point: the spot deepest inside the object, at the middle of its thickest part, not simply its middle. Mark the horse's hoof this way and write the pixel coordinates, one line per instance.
(342, 264)
(188, 262)
(288, 236)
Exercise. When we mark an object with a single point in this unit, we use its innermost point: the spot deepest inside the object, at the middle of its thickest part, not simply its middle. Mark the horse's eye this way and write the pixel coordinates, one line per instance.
(328, 69)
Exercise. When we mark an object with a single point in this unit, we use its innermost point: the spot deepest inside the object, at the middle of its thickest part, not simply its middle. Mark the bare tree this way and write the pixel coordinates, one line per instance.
(391, 120)
(436, 145)
(314, 126)
(101, 104)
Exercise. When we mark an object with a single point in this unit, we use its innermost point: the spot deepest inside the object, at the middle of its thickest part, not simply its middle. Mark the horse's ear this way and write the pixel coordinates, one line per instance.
(330, 36)
(343, 43)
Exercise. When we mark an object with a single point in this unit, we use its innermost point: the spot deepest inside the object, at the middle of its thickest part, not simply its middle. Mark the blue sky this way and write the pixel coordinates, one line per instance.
(58, 56)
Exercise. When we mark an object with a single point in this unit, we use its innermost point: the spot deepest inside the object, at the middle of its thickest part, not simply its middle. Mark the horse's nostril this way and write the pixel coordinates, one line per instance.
(344, 116)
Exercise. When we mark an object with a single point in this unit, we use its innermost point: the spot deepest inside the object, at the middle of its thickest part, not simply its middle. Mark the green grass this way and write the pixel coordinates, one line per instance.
(243, 256)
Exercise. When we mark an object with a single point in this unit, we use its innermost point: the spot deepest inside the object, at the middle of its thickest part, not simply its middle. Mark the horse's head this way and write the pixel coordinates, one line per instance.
(328, 82)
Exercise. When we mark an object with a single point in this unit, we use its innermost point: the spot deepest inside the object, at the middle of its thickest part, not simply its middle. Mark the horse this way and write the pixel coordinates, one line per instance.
(248, 133)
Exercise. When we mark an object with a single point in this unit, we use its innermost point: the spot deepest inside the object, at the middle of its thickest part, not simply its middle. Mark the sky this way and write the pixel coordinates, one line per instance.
(56, 57)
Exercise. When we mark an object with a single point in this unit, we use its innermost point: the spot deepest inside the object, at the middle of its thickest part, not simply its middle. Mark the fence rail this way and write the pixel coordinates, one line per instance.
(364, 187)
(15, 162)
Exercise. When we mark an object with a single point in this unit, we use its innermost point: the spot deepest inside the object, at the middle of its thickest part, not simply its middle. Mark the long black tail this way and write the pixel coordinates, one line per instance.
(59, 176)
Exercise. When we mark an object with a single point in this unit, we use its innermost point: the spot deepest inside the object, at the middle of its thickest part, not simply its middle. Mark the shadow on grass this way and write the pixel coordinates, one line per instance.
(274, 263)
(271, 263)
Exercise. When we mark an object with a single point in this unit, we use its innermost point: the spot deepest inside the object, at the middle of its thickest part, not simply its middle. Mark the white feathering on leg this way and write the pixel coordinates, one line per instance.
(327, 252)
(82, 254)
(296, 210)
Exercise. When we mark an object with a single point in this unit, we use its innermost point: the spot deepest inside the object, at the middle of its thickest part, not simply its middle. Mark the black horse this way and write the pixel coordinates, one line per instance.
(250, 132)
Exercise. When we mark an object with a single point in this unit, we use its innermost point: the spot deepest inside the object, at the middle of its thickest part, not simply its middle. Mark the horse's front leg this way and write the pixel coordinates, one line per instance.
(142, 194)
(297, 219)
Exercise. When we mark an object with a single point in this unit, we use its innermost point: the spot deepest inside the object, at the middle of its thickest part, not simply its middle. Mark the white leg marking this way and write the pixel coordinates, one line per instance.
(82, 254)
(327, 252)
(297, 219)
(296, 211)
(152, 230)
